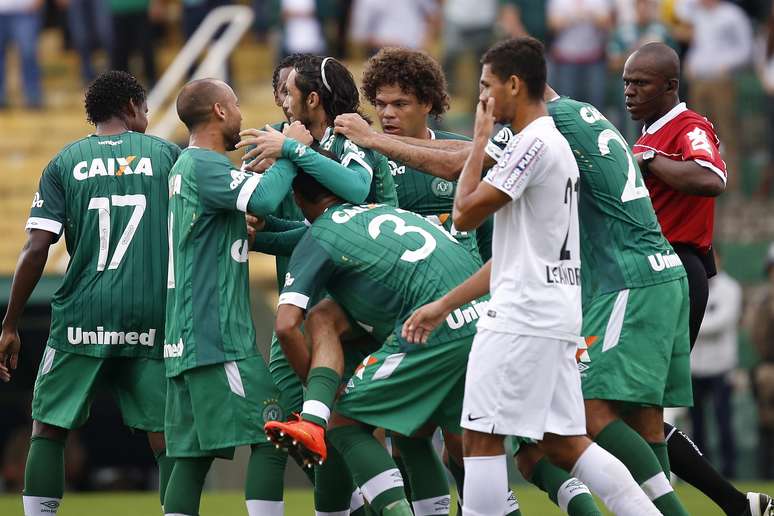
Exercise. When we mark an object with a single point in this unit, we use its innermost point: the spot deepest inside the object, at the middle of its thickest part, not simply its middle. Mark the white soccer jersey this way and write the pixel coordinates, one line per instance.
(535, 283)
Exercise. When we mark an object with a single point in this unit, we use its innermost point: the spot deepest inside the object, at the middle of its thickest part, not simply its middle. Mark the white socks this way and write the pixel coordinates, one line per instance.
(40, 505)
(486, 479)
(569, 490)
(432, 506)
(609, 479)
(265, 508)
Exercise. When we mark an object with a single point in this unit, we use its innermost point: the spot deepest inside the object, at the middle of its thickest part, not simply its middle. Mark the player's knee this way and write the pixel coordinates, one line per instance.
(599, 414)
(479, 444)
(326, 316)
(564, 451)
(526, 460)
(55, 433)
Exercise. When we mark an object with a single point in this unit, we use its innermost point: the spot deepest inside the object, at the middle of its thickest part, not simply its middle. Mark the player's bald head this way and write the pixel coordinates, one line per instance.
(196, 99)
(656, 58)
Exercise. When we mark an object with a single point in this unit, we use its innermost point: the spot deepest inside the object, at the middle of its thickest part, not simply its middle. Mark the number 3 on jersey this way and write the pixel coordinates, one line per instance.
(102, 205)
(374, 229)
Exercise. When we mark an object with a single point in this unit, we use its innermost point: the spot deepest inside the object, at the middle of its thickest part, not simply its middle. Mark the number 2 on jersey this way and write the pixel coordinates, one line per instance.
(631, 190)
(102, 205)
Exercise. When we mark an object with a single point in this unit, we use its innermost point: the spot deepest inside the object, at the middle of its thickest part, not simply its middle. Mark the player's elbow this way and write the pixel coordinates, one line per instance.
(463, 219)
(714, 187)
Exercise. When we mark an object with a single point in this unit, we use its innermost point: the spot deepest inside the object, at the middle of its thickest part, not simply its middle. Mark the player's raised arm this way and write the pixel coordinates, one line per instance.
(422, 322)
(28, 271)
(476, 200)
(350, 179)
(440, 158)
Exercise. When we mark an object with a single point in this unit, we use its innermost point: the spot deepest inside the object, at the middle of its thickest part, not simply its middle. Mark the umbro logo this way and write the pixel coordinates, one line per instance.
(51, 506)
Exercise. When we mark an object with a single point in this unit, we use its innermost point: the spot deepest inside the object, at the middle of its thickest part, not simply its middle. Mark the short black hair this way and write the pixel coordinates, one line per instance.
(413, 71)
(309, 188)
(522, 57)
(195, 101)
(338, 93)
(110, 93)
(286, 62)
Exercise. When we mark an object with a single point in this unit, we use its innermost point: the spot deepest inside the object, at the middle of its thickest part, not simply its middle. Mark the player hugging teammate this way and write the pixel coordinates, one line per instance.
(399, 307)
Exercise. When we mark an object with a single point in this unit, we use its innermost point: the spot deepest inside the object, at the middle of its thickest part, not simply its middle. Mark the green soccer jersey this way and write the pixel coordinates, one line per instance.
(380, 264)
(621, 241)
(423, 193)
(208, 302)
(382, 189)
(430, 196)
(108, 194)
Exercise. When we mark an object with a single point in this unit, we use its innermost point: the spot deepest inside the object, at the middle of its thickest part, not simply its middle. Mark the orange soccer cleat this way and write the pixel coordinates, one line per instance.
(301, 438)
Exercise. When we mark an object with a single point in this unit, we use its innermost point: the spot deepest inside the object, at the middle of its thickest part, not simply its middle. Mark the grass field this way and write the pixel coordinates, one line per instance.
(298, 502)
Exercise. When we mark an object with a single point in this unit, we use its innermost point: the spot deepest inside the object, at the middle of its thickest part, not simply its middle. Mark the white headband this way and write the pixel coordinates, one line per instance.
(322, 72)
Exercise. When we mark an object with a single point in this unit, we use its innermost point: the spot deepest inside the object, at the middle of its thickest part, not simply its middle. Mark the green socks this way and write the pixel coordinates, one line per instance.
(425, 474)
(184, 491)
(662, 454)
(165, 465)
(371, 467)
(44, 475)
(569, 493)
(630, 448)
(333, 484)
(321, 387)
(265, 473)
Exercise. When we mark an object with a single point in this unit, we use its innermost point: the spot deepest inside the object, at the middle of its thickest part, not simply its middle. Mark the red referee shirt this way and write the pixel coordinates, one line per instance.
(683, 135)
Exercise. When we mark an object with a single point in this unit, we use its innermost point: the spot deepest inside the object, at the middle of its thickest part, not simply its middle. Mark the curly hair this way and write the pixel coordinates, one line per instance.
(413, 71)
(108, 95)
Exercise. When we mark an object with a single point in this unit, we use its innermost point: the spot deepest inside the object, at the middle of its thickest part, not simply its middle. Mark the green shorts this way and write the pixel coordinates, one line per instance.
(67, 383)
(637, 346)
(402, 392)
(212, 409)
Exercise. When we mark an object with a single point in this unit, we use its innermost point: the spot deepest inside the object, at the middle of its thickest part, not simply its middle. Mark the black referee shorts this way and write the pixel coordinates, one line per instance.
(699, 267)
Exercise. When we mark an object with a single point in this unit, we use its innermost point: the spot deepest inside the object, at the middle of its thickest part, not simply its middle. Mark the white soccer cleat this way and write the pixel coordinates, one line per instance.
(760, 504)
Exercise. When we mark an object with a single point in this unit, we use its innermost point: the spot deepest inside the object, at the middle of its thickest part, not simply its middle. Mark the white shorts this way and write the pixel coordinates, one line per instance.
(523, 385)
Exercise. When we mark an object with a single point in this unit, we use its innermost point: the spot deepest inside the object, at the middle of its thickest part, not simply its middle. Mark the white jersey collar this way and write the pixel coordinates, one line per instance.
(432, 133)
(664, 120)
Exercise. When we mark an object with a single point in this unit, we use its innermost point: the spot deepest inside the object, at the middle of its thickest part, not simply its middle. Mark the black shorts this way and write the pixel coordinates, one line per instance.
(699, 267)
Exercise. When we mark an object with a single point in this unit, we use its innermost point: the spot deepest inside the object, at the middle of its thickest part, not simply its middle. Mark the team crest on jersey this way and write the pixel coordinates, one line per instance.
(700, 140)
(272, 411)
(37, 201)
(129, 165)
(442, 188)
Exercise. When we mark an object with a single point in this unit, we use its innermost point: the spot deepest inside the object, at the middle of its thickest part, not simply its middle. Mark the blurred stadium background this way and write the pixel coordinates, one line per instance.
(53, 47)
